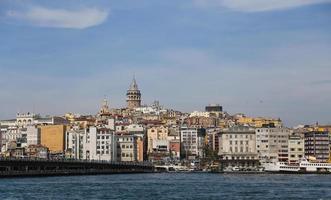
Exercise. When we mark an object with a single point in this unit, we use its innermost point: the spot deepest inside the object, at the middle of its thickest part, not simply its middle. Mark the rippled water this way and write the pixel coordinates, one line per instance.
(169, 186)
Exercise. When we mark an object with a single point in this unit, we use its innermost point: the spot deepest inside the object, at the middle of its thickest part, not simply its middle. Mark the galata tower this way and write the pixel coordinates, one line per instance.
(133, 95)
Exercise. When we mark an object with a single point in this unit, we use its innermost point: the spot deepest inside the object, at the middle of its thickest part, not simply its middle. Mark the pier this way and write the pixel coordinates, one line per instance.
(11, 167)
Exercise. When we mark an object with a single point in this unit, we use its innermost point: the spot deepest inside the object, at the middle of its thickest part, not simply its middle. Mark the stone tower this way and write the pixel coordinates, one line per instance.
(133, 95)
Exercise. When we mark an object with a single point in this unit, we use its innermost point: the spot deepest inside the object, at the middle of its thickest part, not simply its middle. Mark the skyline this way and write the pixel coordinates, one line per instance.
(262, 60)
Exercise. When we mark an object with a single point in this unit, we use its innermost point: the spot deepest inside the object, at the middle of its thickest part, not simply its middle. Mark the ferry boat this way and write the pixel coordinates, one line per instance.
(280, 167)
(172, 168)
(304, 166)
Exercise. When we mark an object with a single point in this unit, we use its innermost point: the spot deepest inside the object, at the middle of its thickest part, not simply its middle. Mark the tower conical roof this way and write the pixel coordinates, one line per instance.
(133, 85)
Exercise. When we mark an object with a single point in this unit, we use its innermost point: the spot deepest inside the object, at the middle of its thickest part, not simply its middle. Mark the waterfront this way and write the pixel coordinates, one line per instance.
(169, 186)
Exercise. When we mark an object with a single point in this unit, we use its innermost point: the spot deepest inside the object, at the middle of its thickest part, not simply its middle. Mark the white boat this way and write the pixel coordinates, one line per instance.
(232, 169)
(314, 166)
(171, 168)
(303, 166)
(281, 167)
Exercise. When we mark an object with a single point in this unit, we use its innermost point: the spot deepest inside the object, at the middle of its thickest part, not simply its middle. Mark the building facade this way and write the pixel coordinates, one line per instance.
(213, 138)
(33, 135)
(53, 137)
(192, 142)
(127, 148)
(272, 144)
(74, 144)
(317, 145)
(237, 147)
(99, 144)
(25, 119)
(157, 138)
(296, 147)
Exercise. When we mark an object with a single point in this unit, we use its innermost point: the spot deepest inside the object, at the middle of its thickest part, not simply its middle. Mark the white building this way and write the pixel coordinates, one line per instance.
(161, 146)
(200, 114)
(272, 144)
(192, 141)
(8, 136)
(29, 119)
(136, 129)
(33, 135)
(74, 144)
(25, 119)
(8, 123)
(99, 144)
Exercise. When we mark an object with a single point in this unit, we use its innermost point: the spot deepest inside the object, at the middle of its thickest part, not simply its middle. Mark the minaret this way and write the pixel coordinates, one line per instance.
(133, 95)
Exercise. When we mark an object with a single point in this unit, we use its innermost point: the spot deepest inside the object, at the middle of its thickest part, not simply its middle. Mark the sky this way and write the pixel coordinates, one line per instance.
(262, 58)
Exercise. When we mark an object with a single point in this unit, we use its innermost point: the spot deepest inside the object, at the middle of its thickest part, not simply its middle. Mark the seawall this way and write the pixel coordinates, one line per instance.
(38, 167)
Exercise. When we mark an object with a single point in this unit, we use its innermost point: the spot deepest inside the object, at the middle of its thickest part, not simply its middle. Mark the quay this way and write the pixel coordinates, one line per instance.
(13, 167)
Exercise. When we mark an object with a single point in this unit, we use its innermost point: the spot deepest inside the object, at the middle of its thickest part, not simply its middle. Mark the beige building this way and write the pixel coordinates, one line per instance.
(140, 149)
(237, 147)
(296, 147)
(53, 137)
(272, 144)
(127, 148)
(157, 138)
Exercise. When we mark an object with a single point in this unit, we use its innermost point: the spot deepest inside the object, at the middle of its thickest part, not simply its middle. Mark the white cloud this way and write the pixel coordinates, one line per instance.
(257, 5)
(61, 18)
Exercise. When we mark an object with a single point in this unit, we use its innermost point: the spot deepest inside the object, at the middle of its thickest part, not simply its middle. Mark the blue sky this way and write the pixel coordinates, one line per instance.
(263, 59)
